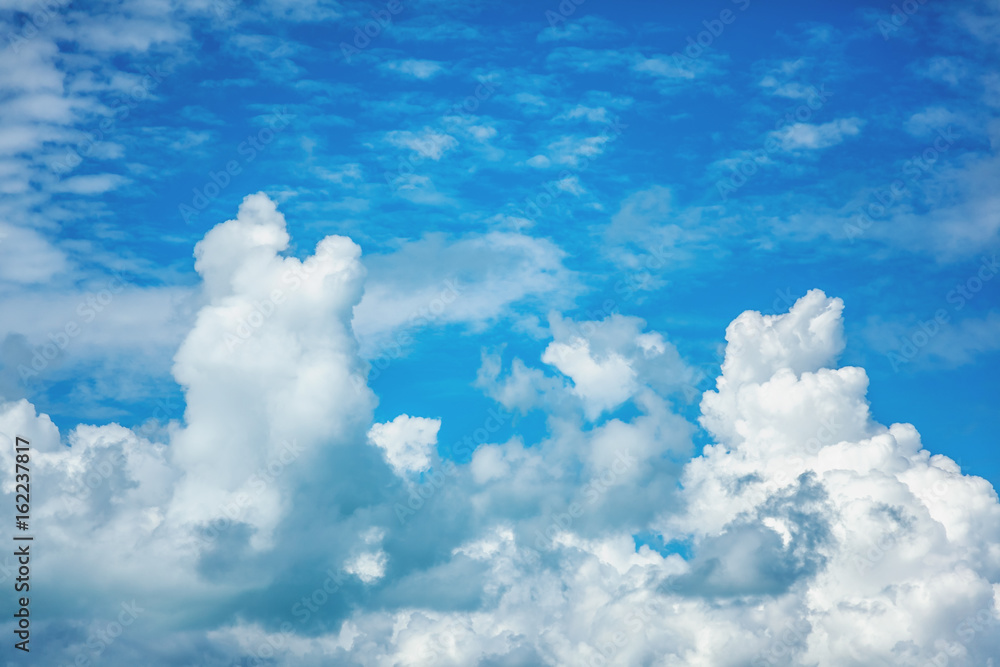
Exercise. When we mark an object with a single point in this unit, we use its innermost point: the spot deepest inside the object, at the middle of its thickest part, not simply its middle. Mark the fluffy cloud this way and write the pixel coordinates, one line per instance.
(805, 534)
(406, 442)
(268, 367)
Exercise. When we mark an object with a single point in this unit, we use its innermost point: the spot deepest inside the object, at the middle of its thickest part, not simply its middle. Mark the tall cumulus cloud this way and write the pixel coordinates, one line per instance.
(277, 524)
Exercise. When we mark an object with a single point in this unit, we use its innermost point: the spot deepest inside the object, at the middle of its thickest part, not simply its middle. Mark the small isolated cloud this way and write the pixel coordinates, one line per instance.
(665, 67)
(572, 185)
(407, 442)
(427, 143)
(932, 120)
(805, 136)
(779, 80)
(418, 69)
(580, 111)
(369, 567)
(93, 184)
(572, 150)
(953, 70)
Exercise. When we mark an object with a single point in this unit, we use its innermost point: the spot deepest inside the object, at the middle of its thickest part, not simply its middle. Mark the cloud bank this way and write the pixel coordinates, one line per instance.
(278, 524)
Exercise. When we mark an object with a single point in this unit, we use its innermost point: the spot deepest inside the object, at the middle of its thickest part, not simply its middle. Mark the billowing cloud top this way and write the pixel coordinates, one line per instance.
(279, 524)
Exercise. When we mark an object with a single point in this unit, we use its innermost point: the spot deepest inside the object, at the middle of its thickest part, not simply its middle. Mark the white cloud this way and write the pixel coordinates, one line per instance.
(369, 566)
(92, 184)
(538, 162)
(778, 80)
(242, 365)
(648, 236)
(471, 281)
(953, 342)
(131, 33)
(27, 257)
(407, 442)
(817, 536)
(608, 362)
(928, 122)
(488, 463)
(950, 211)
(805, 136)
(418, 69)
(665, 67)
(573, 150)
(592, 114)
(427, 142)
(603, 384)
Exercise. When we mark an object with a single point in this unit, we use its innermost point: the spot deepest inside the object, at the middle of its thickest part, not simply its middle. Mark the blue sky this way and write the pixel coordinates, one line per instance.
(553, 210)
(684, 125)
